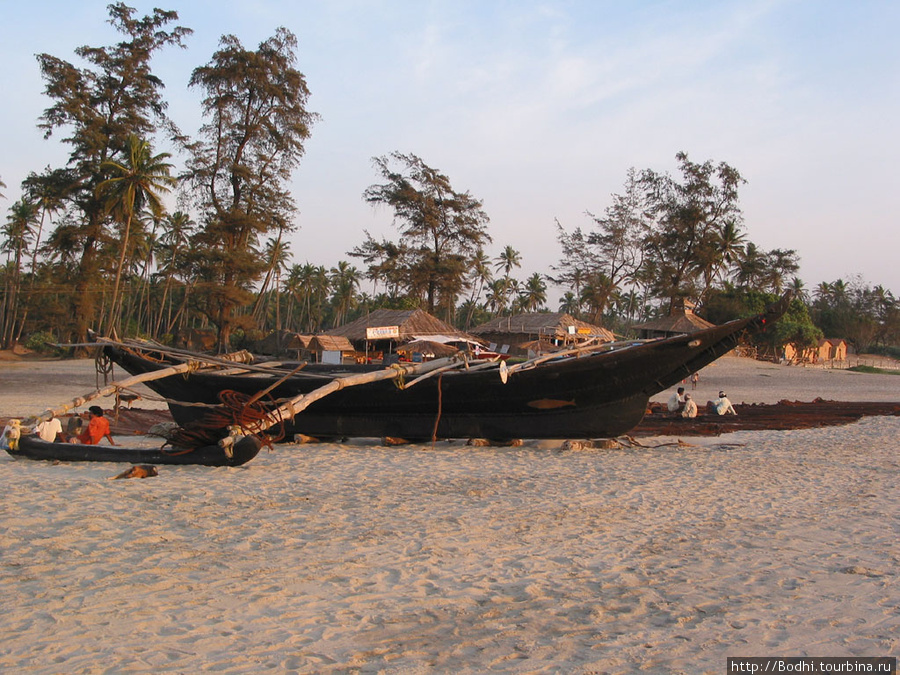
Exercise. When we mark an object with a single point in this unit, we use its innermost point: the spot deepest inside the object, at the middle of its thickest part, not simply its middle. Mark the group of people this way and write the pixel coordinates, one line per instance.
(681, 403)
(51, 430)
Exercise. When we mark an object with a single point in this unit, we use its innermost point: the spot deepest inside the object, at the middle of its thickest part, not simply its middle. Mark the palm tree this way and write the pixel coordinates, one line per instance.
(569, 304)
(132, 186)
(596, 294)
(779, 264)
(823, 291)
(798, 288)
(480, 275)
(17, 235)
(751, 267)
(172, 244)
(535, 294)
(308, 285)
(277, 254)
(344, 282)
(497, 299)
(508, 260)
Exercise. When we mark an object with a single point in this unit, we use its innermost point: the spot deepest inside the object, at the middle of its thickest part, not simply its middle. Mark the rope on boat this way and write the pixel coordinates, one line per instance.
(103, 366)
(437, 420)
(400, 380)
(237, 411)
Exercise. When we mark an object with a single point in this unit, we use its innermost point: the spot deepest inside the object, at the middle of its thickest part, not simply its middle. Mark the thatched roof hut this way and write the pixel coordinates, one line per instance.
(409, 323)
(329, 348)
(384, 329)
(555, 327)
(680, 321)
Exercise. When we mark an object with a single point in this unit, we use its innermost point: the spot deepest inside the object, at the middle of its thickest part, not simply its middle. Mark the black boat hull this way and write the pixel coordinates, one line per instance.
(32, 447)
(598, 395)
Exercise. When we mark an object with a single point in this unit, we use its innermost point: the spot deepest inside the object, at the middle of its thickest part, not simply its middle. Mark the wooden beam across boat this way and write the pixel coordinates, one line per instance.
(292, 407)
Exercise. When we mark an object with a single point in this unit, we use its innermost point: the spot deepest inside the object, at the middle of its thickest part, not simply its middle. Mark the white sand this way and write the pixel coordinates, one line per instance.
(358, 558)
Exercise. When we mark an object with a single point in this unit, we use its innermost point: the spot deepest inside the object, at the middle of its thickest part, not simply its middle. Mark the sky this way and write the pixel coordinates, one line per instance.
(540, 108)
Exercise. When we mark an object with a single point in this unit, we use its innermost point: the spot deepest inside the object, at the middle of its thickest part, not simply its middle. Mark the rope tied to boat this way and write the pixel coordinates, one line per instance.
(238, 412)
(400, 380)
(103, 367)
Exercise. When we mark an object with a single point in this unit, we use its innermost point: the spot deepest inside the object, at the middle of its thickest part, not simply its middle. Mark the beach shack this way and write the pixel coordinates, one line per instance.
(681, 320)
(826, 350)
(378, 334)
(330, 348)
(538, 333)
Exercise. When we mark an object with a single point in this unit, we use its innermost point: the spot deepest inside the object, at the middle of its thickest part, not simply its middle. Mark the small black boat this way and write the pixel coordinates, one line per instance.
(601, 392)
(241, 452)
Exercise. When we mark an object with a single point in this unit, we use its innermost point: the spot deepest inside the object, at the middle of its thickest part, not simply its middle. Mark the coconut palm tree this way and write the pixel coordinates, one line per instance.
(535, 293)
(569, 304)
(497, 296)
(172, 244)
(277, 253)
(345, 280)
(751, 267)
(134, 184)
(17, 234)
(508, 260)
(480, 275)
(308, 285)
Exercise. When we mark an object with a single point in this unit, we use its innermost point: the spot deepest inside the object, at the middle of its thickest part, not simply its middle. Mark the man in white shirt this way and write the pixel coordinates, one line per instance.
(48, 429)
(690, 407)
(676, 403)
(723, 406)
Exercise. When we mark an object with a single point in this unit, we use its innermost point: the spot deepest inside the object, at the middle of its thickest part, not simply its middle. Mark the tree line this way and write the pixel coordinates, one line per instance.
(91, 245)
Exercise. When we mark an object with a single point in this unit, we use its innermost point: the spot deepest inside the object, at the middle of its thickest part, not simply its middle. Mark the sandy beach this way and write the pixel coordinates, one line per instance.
(358, 558)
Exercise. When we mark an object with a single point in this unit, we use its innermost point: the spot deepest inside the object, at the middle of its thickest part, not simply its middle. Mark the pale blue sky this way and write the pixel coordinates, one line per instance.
(540, 108)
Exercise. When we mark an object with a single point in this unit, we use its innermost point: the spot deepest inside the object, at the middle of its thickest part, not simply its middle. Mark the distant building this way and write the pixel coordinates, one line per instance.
(828, 349)
(382, 331)
(330, 348)
(313, 348)
(538, 332)
(680, 321)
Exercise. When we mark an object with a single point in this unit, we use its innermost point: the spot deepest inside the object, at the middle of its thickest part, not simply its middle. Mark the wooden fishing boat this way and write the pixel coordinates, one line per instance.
(595, 392)
(241, 452)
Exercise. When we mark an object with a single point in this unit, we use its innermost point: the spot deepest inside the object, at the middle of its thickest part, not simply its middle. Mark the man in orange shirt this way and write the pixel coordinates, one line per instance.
(97, 429)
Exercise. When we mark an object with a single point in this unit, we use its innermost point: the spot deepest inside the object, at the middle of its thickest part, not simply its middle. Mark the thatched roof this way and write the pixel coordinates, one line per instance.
(680, 320)
(411, 322)
(428, 348)
(330, 343)
(299, 341)
(544, 324)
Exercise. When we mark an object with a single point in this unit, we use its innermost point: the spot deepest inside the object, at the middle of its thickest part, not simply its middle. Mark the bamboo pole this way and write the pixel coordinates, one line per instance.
(114, 387)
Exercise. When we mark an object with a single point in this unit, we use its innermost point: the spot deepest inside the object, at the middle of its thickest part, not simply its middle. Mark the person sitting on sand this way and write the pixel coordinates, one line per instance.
(690, 407)
(676, 402)
(97, 429)
(48, 430)
(722, 406)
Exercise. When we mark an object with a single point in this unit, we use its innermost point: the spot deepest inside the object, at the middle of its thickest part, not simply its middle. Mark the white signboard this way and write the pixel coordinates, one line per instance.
(382, 333)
